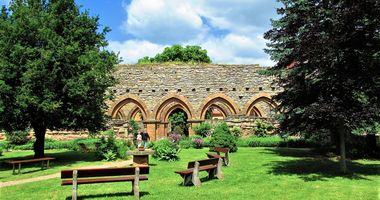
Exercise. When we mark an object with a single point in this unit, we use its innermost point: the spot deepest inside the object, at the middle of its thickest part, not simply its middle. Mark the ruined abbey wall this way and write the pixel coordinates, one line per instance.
(156, 90)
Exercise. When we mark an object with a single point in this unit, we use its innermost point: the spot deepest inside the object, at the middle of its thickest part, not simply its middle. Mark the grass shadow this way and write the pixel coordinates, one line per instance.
(117, 194)
(66, 158)
(318, 168)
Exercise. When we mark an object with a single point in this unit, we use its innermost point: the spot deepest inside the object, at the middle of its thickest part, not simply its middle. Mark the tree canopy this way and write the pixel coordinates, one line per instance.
(177, 53)
(328, 62)
(54, 71)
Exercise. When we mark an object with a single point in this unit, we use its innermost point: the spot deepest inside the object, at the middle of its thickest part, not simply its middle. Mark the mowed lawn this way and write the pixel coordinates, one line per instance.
(255, 173)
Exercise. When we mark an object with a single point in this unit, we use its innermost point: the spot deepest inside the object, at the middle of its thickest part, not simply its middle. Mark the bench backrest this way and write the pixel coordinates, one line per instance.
(211, 161)
(30, 160)
(104, 172)
(221, 149)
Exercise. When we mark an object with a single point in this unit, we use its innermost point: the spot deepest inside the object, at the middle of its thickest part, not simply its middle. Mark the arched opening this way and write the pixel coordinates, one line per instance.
(260, 107)
(217, 106)
(178, 122)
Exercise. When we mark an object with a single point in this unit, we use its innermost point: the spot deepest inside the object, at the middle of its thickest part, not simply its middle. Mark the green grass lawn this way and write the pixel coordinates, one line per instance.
(64, 159)
(255, 173)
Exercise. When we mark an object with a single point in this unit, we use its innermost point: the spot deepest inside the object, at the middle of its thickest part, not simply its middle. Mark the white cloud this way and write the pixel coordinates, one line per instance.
(132, 50)
(163, 21)
(231, 31)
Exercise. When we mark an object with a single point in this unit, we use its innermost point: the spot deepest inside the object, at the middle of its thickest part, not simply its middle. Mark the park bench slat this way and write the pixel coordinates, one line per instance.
(104, 180)
(96, 172)
(29, 160)
(201, 168)
(210, 161)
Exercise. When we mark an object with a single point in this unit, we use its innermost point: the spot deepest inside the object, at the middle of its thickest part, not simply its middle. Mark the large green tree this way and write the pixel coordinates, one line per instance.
(328, 62)
(54, 71)
(177, 53)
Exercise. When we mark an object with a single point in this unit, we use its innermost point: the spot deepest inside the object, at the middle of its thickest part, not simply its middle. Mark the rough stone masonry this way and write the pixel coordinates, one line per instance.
(152, 92)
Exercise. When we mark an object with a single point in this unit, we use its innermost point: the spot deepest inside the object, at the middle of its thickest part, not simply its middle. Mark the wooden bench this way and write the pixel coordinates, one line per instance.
(76, 177)
(218, 150)
(19, 162)
(191, 175)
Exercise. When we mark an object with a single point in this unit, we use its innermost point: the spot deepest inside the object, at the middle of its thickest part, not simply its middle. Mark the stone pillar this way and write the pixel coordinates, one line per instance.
(151, 127)
(192, 124)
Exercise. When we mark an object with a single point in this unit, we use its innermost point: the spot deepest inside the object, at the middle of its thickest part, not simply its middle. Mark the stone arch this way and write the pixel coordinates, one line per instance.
(125, 99)
(212, 99)
(260, 97)
(134, 111)
(169, 103)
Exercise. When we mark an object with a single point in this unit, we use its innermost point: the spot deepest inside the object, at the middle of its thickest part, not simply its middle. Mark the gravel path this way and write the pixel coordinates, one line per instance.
(57, 175)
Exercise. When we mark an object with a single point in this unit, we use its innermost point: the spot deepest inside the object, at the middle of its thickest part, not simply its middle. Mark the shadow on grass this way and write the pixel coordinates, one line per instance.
(317, 168)
(292, 152)
(118, 194)
(62, 159)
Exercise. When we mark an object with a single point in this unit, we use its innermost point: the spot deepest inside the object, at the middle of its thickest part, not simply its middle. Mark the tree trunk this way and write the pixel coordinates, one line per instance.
(39, 144)
(342, 146)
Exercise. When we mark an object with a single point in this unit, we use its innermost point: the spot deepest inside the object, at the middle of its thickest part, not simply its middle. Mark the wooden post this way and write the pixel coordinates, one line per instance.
(196, 181)
(226, 158)
(75, 184)
(135, 186)
(219, 172)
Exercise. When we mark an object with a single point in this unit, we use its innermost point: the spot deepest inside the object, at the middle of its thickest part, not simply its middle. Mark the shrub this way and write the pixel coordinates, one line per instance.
(186, 143)
(206, 142)
(262, 128)
(166, 150)
(236, 131)
(204, 129)
(17, 137)
(222, 137)
(1, 151)
(107, 145)
(255, 141)
(197, 143)
(133, 127)
(175, 137)
(122, 148)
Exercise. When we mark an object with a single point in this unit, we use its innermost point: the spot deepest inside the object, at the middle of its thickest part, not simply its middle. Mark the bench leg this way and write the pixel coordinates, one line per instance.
(47, 166)
(219, 173)
(14, 168)
(19, 168)
(195, 177)
(75, 185)
(42, 165)
(187, 179)
(135, 184)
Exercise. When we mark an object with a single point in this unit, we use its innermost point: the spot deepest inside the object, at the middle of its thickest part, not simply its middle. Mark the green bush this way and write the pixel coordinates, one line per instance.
(204, 129)
(222, 137)
(133, 127)
(206, 142)
(1, 151)
(262, 128)
(107, 145)
(185, 143)
(254, 141)
(17, 137)
(236, 131)
(165, 150)
(122, 148)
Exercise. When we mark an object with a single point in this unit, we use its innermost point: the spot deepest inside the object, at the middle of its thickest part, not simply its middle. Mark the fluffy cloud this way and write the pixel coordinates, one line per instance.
(132, 50)
(163, 21)
(231, 31)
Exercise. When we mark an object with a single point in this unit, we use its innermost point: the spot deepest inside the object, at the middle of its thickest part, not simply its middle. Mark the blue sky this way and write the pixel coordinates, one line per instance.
(230, 30)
